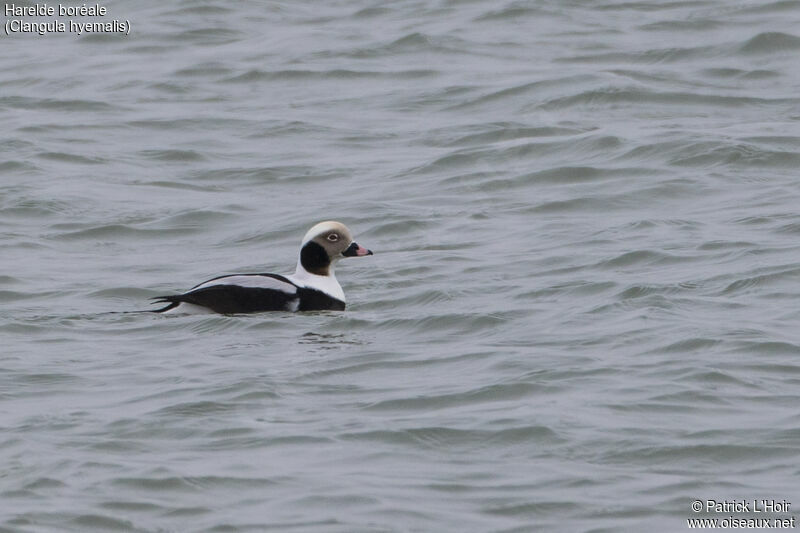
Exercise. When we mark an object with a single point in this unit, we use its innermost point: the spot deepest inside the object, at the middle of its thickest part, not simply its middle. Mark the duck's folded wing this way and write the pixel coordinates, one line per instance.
(243, 293)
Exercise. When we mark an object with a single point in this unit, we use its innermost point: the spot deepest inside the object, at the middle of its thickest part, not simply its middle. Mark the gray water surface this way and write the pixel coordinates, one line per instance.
(581, 314)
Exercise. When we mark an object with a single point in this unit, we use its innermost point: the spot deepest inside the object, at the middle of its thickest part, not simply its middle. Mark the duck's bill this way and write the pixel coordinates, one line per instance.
(354, 250)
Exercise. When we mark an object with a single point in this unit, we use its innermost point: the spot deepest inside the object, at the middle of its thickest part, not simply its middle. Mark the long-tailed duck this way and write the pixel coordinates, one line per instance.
(312, 287)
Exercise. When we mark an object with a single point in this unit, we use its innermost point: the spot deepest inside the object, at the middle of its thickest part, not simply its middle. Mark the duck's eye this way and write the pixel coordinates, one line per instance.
(333, 237)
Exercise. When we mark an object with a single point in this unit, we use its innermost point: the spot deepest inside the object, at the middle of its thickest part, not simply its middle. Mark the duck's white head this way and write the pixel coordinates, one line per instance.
(326, 243)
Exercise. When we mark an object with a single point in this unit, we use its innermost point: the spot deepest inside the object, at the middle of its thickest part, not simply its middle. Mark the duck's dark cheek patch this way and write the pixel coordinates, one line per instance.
(315, 259)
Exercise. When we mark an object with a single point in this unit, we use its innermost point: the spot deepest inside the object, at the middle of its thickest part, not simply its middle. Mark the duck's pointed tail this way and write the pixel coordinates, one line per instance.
(171, 301)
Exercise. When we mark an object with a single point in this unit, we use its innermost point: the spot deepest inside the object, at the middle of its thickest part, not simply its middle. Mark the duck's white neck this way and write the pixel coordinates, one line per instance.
(327, 284)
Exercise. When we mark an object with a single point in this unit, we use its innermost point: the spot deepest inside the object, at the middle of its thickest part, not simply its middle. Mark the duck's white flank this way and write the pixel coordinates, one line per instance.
(188, 309)
(250, 280)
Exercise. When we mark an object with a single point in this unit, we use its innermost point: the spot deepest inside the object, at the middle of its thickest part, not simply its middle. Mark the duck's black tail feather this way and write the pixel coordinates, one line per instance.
(171, 301)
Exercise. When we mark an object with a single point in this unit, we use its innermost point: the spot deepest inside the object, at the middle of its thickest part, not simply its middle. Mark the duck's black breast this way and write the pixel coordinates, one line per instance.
(314, 300)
